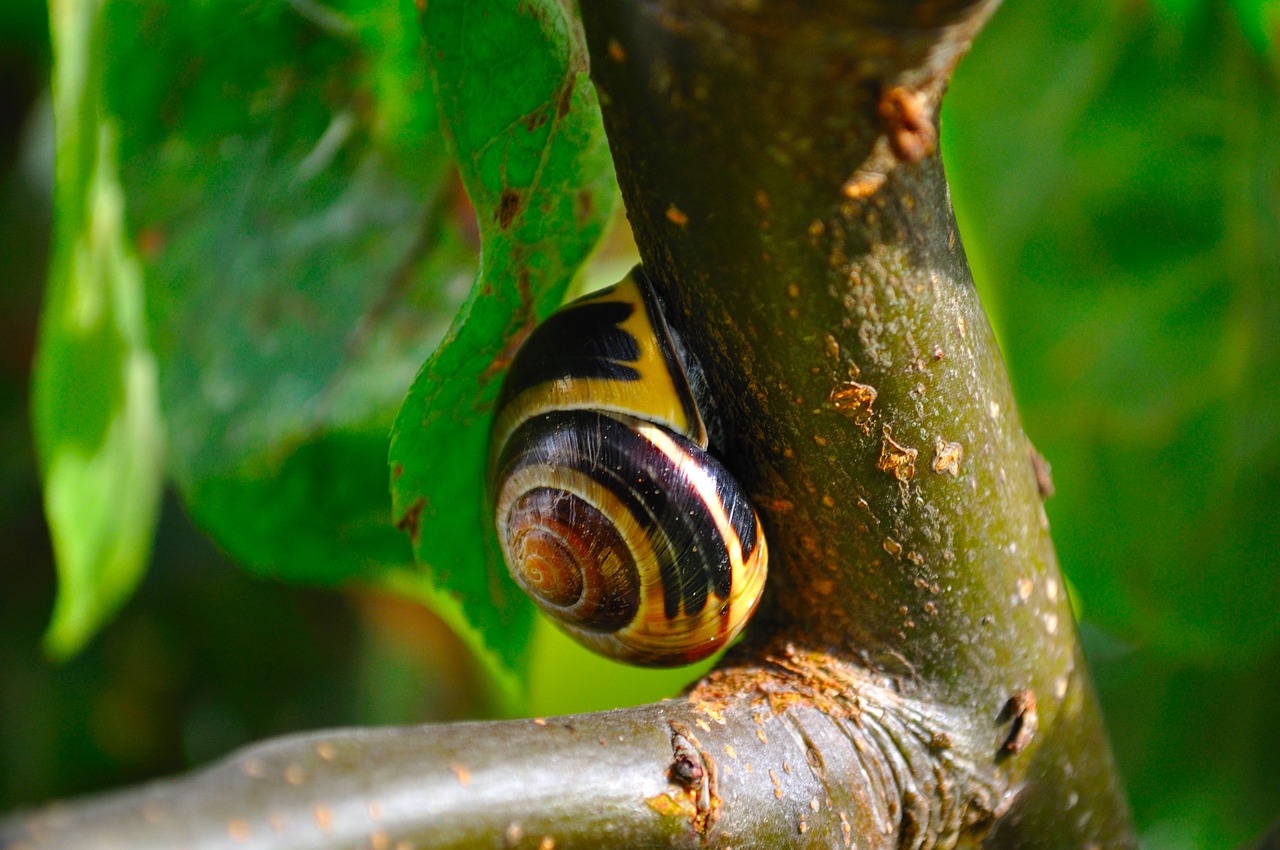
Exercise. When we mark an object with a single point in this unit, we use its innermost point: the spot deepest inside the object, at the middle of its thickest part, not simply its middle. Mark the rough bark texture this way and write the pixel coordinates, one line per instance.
(913, 678)
(782, 175)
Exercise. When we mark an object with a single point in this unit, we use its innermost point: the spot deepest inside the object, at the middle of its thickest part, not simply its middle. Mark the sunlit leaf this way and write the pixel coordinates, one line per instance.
(96, 412)
(522, 118)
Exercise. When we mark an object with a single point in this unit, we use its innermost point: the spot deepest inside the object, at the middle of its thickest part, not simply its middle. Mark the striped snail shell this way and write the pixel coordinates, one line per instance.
(610, 511)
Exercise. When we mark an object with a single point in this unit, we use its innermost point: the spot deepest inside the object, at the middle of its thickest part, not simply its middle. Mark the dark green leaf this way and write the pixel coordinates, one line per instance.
(291, 197)
(522, 116)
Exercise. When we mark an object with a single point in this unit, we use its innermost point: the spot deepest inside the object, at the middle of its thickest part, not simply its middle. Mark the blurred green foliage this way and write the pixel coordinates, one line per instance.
(521, 118)
(1117, 177)
(95, 399)
(290, 202)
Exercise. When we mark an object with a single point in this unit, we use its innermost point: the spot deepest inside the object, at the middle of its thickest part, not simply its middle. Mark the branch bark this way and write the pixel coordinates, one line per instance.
(913, 678)
(782, 175)
(762, 765)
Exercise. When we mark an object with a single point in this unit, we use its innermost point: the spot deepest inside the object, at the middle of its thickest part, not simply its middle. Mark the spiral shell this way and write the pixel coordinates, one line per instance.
(611, 513)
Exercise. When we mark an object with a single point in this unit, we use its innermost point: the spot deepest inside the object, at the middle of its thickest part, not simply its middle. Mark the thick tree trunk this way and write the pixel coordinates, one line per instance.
(913, 678)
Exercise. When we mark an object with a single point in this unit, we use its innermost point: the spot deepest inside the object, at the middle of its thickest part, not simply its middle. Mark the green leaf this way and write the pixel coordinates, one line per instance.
(97, 421)
(522, 118)
(296, 213)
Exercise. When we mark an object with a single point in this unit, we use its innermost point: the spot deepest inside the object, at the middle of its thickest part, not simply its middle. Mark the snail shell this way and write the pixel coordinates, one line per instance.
(611, 513)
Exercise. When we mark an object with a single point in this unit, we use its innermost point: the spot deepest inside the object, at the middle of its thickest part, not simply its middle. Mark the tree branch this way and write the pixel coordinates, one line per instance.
(782, 176)
(913, 677)
(752, 758)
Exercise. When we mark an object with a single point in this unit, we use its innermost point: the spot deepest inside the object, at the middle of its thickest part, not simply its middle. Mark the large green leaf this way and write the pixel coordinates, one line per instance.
(1117, 177)
(96, 413)
(292, 200)
(522, 118)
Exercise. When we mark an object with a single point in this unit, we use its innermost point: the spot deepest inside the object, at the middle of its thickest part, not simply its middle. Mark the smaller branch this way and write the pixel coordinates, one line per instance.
(792, 749)
(468, 785)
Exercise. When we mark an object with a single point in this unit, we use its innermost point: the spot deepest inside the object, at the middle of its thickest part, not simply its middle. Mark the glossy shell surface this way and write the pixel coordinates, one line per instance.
(611, 513)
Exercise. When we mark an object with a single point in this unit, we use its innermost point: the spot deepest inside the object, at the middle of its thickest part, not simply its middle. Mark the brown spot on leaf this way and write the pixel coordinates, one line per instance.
(584, 206)
(777, 506)
(412, 518)
(535, 119)
(522, 284)
(504, 357)
(509, 204)
(397, 469)
(565, 99)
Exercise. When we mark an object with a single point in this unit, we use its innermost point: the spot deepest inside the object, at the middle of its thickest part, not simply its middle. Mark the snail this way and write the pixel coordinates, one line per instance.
(611, 513)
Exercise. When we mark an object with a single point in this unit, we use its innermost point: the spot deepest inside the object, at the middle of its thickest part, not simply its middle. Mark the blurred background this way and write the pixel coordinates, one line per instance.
(1117, 177)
